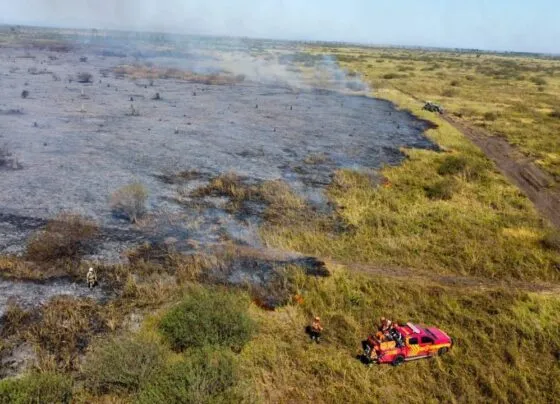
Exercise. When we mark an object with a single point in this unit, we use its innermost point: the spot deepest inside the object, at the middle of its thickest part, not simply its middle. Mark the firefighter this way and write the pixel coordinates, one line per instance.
(384, 325)
(91, 278)
(315, 329)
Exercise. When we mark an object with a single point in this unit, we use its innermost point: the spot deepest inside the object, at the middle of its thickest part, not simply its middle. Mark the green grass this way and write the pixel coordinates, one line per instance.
(481, 226)
(207, 317)
(506, 344)
(514, 97)
(207, 375)
(36, 388)
(122, 365)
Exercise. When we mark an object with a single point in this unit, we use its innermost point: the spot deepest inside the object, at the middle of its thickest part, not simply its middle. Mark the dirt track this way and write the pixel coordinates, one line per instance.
(529, 178)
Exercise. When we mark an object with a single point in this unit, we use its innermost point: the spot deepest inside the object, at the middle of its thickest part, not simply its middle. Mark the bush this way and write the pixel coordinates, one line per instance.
(442, 190)
(454, 83)
(205, 376)
(491, 116)
(209, 318)
(84, 77)
(36, 388)
(539, 81)
(130, 201)
(453, 165)
(122, 365)
(552, 241)
(65, 236)
(24, 94)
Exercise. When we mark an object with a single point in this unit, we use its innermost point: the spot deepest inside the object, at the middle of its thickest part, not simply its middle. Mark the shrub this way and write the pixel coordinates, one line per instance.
(453, 165)
(443, 189)
(122, 365)
(491, 116)
(65, 236)
(130, 201)
(205, 376)
(454, 83)
(84, 77)
(539, 81)
(24, 94)
(208, 317)
(36, 388)
(552, 241)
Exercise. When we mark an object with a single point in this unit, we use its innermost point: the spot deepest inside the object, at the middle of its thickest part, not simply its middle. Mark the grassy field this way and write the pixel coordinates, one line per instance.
(449, 214)
(514, 97)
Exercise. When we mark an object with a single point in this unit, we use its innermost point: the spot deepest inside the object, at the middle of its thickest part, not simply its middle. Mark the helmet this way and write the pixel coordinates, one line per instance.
(383, 319)
(90, 270)
(317, 318)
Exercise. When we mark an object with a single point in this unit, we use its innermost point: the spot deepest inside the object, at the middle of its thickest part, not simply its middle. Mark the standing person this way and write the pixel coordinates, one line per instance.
(91, 278)
(316, 329)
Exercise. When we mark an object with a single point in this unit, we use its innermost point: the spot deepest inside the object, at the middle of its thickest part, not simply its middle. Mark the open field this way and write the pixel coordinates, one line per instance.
(268, 190)
(516, 97)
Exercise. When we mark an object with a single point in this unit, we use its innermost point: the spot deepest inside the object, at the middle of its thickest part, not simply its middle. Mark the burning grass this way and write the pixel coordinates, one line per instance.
(151, 73)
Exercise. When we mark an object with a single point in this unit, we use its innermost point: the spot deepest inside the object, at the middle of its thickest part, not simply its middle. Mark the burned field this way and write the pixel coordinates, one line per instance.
(211, 136)
(91, 123)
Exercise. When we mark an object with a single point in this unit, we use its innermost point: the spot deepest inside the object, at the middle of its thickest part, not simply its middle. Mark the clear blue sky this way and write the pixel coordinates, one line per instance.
(529, 25)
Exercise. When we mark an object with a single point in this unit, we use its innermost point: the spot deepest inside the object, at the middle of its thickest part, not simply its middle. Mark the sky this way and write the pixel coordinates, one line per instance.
(515, 25)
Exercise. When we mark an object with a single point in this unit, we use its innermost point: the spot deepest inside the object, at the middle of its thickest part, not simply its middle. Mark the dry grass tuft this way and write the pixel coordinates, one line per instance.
(64, 237)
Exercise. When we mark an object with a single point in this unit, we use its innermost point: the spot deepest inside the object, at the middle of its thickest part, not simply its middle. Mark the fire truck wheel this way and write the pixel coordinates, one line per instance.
(442, 351)
(398, 360)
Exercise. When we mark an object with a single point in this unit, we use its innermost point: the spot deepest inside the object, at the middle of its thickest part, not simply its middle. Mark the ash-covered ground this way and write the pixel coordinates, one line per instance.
(79, 142)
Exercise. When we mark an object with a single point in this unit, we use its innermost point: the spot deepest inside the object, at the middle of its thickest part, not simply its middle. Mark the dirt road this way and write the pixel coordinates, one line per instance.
(530, 179)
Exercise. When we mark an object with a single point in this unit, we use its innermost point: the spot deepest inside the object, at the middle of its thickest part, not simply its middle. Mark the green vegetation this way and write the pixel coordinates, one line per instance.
(36, 388)
(207, 375)
(446, 213)
(442, 239)
(123, 365)
(207, 317)
(506, 344)
(510, 96)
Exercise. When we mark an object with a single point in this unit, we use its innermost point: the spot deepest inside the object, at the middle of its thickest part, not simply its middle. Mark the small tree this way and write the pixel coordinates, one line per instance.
(130, 201)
